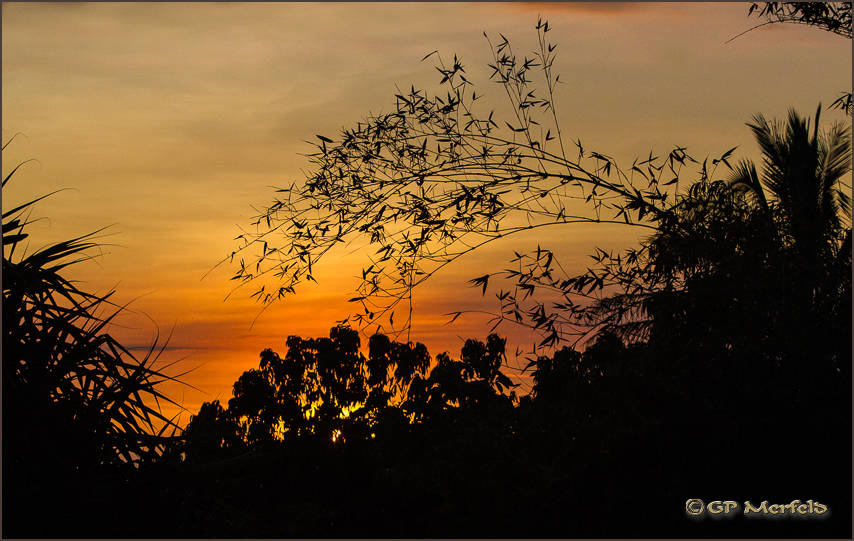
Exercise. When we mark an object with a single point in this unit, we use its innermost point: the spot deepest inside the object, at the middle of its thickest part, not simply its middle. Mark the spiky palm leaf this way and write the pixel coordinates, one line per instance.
(803, 174)
(64, 376)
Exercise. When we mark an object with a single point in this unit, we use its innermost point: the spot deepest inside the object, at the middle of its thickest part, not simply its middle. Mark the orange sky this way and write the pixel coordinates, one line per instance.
(171, 120)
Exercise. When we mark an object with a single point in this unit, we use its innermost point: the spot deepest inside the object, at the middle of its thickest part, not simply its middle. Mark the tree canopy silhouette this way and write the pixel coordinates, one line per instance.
(326, 388)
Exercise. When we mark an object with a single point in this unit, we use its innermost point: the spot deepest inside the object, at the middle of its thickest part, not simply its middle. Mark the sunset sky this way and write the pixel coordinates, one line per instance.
(172, 120)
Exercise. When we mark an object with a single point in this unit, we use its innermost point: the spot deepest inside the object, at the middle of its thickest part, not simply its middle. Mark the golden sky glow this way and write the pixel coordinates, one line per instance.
(171, 120)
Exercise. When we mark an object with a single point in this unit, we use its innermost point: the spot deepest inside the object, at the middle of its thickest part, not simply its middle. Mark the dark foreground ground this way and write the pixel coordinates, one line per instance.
(465, 480)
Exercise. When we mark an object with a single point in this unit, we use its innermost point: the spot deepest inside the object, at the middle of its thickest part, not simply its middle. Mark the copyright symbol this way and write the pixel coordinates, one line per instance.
(694, 507)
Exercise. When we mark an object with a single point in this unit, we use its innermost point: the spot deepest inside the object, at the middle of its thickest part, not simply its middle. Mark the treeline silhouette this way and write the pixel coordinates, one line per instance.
(326, 388)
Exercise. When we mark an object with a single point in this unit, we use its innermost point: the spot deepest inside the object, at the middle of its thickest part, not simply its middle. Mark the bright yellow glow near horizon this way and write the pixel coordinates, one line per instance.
(171, 120)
